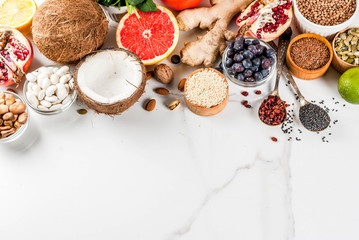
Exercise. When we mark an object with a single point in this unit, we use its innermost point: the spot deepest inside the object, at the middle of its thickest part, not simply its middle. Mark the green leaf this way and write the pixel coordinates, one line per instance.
(147, 6)
(135, 2)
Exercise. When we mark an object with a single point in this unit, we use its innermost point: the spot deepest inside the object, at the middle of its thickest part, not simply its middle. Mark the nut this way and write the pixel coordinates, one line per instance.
(150, 105)
(9, 99)
(4, 128)
(163, 73)
(8, 123)
(7, 116)
(7, 133)
(22, 118)
(181, 84)
(161, 91)
(175, 104)
(149, 75)
(4, 109)
(17, 108)
(17, 125)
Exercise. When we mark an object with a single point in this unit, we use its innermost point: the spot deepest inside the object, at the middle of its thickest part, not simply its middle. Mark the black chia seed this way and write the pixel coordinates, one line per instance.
(314, 118)
(175, 59)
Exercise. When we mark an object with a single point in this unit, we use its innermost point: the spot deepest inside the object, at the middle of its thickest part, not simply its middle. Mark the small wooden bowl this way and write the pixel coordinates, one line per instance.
(304, 73)
(340, 65)
(203, 111)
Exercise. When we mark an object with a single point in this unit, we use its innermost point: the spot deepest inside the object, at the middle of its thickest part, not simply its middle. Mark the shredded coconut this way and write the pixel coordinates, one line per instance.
(206, 88)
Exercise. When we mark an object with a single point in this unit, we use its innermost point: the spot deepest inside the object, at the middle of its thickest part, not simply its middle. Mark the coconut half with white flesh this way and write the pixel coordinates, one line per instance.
(110, 81)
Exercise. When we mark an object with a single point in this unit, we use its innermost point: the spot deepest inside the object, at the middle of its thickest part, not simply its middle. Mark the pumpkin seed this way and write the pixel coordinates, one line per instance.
(347, 47)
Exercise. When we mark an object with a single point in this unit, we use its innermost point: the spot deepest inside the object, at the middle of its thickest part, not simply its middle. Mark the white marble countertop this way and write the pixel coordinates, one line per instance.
(166, 175)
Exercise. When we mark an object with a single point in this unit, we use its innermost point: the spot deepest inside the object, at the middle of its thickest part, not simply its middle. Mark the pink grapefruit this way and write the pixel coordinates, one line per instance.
(152, 37)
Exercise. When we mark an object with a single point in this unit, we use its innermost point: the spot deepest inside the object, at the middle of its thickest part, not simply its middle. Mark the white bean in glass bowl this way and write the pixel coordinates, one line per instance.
(49, 90)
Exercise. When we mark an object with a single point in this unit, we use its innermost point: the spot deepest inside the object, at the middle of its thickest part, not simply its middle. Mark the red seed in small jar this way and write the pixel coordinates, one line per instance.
(245, 102)
(258, 92)
(274, 139)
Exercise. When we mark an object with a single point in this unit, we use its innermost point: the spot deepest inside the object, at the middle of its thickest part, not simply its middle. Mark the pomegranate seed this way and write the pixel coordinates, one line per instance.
(244, 93)
(258, 92)
(245, 102)
(274, 139)
(248, 106)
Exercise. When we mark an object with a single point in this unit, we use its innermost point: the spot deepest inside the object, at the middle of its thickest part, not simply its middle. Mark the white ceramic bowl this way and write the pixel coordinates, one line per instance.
(306, 26)
(113, 13)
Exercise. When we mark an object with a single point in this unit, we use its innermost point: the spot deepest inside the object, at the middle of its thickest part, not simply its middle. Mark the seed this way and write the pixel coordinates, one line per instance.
(245, 102)
(161, 91)
(313, 117)
(258, 92)
(150, 105)
(328, 12)
(244, 93)
(272, 111)
(175, 59)
(248, 106)
(181, 84)
(82, 111)
(309, 53)
(174, 104)
(149, 75)
(274, 139)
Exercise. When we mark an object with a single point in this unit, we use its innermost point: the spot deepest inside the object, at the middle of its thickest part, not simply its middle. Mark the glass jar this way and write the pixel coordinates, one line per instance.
(271, 74)
(50, 112)
(14, 137)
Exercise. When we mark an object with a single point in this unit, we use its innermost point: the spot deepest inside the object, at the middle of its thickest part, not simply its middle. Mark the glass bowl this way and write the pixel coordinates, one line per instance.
(250, 84)
(50, 112)
(23, 128)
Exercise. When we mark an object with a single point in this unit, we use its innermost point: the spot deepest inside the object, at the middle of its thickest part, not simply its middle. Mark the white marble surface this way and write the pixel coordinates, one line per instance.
(166, 175)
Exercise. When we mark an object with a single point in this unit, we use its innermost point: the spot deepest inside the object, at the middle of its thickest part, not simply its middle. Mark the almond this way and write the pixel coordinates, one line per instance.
(181, 84)
(161, 91)
(149, 75)
(150, 105)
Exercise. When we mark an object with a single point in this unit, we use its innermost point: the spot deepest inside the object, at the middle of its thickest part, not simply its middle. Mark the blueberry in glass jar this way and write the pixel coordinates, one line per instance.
(248, 60)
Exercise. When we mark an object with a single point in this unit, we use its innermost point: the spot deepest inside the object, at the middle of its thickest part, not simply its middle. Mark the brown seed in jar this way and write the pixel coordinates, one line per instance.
(17, 125)
(7, 133)
(4, 109)
(17, 108)
(4, 128)
(22, 118)
(15, 117)
(7, 116)
(10, 99)
(8, 123)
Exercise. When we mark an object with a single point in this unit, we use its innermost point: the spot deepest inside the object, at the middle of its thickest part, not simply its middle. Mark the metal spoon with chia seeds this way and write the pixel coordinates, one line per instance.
(283, 44)
(313, 117)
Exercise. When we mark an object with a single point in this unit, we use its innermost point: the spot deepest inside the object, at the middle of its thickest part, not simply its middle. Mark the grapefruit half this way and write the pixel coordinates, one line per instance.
(152, 37)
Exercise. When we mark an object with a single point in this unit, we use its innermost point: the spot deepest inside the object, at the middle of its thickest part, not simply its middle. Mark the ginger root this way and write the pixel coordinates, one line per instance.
(216, 19)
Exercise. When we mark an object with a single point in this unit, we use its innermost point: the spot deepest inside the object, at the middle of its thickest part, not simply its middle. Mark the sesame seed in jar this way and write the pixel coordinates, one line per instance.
(206, 88)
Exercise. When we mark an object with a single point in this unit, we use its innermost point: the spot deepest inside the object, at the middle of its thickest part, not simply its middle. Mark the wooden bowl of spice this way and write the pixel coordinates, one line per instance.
(309, 56)
(346, 49)
(206, 92)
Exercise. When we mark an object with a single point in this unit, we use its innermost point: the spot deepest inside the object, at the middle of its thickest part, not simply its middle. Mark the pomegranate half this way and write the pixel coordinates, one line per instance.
(265, 19)
(15, 56)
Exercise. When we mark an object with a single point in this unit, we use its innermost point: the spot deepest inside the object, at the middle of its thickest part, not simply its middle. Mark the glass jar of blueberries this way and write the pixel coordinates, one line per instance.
(249, 62)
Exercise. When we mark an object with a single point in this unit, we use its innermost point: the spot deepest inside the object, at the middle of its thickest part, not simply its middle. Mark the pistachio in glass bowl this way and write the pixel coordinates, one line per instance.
(49, 90)
(249, 62)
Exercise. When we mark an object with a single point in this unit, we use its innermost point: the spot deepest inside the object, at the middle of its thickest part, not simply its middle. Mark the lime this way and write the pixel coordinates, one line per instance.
(348, 85)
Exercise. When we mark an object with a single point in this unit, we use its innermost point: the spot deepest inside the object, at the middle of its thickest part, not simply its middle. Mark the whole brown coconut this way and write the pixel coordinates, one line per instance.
(67, 30)
(113, 87)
